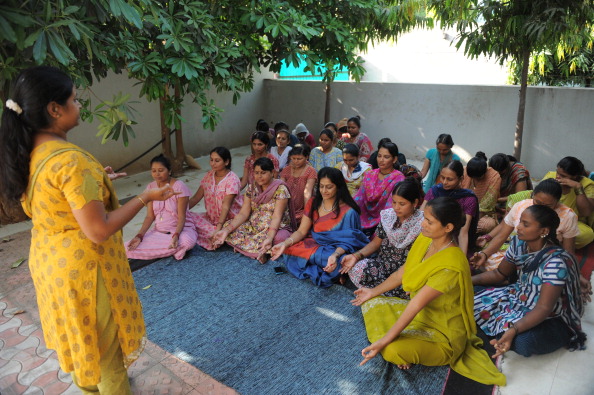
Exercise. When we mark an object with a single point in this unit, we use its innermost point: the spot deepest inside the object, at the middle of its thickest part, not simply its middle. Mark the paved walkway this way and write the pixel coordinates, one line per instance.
(27, 367)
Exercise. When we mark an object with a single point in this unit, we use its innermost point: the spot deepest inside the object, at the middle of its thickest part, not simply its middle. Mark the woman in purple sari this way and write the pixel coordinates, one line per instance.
(451, 179)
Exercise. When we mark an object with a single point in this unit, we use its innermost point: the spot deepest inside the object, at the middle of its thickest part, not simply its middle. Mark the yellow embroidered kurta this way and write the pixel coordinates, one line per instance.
(447, 322)
(64, 262)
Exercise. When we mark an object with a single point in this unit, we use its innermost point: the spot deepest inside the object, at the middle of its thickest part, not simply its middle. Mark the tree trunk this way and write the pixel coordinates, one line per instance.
(328, 98)
(522, 105)
(180, 152)
(165, 129)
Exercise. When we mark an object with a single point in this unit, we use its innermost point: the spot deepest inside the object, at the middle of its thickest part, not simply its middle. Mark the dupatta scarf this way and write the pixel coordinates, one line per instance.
(264, 196)
(573, 307)
(472, 361)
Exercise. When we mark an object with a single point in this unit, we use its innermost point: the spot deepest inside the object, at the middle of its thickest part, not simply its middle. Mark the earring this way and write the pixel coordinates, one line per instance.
(543, 236)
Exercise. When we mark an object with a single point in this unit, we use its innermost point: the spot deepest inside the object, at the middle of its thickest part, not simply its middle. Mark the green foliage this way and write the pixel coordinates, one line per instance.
(566, 65)
(195, 46)
(505, 29)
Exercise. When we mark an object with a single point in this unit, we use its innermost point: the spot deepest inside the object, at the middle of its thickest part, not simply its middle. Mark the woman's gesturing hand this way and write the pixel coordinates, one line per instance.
(347, 263)
(163, 193)
(277, 251)
(362, 295)
(370, 351)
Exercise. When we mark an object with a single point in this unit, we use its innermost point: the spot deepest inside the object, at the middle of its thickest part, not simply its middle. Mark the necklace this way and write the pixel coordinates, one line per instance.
(160, 206)
(440, 250)
(324, 208)
(529, 250)
(385, 174)
(219, 178)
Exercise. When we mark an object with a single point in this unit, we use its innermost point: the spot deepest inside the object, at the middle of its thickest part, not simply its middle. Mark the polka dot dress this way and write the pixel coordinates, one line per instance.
(64, 262)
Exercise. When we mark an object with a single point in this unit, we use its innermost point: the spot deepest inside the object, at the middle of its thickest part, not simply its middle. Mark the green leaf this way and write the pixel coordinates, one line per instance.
(30, 40)
(40, 49)
(71, 9)
(18, 263)
(131, 14)
(6, 31)
(74, 31)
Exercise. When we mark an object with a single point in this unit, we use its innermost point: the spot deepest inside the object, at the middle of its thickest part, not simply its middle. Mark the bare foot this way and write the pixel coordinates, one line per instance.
(404, 367)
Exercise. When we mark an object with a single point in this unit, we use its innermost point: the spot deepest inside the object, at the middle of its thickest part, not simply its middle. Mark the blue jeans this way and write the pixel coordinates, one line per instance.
(544, 338)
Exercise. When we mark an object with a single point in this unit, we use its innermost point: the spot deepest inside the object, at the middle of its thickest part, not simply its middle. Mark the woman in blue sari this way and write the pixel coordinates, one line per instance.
(333, 218)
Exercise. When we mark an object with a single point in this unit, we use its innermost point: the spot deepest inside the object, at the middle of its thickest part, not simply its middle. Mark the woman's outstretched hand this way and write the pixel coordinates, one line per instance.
(331, 266)
(478, 259)
(347, 263)
(113, 175)
(163, 193)
(277, 251)
(503, 344)
(219, 237)
(362, 295)
(370, 351)
(134, 243)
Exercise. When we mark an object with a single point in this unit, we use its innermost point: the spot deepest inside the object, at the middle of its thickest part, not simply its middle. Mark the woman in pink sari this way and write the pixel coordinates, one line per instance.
(375, 193)
(174, 232)
(219, 188)
(264, 217)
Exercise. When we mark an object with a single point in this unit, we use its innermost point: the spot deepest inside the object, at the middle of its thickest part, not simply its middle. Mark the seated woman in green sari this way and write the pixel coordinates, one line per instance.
(436, 327)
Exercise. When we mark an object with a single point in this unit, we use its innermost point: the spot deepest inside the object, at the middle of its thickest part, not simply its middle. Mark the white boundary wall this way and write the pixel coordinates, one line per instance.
(559, 121)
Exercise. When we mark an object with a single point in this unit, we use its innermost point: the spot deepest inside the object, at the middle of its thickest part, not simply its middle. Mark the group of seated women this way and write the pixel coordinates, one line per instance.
(412, 252)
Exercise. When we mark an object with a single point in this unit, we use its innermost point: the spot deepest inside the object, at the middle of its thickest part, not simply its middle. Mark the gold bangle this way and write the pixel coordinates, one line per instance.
(141, 201)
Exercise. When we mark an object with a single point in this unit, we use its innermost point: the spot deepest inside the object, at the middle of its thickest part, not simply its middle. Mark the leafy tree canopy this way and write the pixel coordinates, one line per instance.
(513, 30)
(565, 65)
(189, 46)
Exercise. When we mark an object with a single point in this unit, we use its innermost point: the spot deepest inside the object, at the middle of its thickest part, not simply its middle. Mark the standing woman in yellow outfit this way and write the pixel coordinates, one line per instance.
(89, 309)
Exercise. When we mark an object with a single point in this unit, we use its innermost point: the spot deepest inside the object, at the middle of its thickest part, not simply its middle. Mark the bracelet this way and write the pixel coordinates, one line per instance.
(273, 228)
(292, 241)
(139, 236)
(487, 237)
(484, 253)
(359, 256)
(511, 325)
(141, 201)
(579, 191)
(175, 234)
